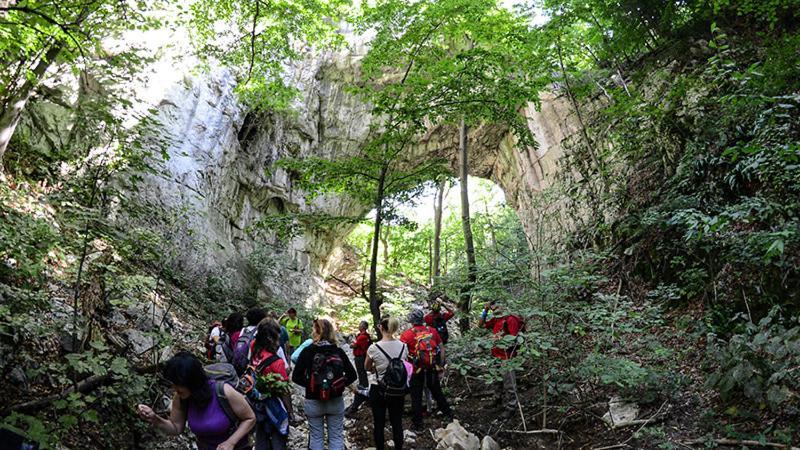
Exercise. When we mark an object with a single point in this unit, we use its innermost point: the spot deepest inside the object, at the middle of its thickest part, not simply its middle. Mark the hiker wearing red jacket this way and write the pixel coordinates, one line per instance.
(438, 319)
(503, 325)
(360, 347)
(426, 352)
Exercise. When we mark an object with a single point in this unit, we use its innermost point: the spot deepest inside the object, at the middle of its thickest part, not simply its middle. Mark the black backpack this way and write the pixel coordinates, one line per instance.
(441, 327)
(327, 373)
(395, 379)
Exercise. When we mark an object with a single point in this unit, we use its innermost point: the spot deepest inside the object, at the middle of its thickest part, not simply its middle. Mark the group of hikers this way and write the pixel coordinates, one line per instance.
(246, 385)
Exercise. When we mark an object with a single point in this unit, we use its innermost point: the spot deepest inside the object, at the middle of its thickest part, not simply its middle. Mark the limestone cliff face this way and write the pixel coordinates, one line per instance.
(221, 165)
(220, 173)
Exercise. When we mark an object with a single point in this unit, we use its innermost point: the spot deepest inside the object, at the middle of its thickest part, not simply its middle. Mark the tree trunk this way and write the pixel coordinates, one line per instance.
(492, 233)
(385, 243)
(9, 117)
(437, 231)
(374, 301)
(430, 262)
(469, 246)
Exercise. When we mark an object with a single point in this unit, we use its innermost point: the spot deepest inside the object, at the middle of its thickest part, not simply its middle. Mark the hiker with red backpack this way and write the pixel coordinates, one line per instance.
(502, 325)
(222, 338)
(218, 415)
(266, 362)
(426, 353)
(387, 359)
(324, 370)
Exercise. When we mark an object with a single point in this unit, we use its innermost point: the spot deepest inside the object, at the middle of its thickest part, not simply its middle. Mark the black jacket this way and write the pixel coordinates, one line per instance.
(301, 374)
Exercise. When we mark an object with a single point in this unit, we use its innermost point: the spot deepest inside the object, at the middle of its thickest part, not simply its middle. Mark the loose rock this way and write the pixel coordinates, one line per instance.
(456, 437)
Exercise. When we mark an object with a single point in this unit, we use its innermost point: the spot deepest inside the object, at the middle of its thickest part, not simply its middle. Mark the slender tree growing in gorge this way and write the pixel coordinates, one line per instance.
(469, 244)
(385, 172)
(438, 204)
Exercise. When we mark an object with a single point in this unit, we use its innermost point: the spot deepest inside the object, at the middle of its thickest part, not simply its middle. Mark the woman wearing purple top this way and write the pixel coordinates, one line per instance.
(196, 402)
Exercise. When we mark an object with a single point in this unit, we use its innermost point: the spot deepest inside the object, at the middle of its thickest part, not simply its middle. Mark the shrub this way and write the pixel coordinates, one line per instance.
(759, 364)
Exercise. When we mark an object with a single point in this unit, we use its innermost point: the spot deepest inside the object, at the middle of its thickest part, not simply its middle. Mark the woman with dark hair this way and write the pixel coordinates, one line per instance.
(233, 326)
(266, 360)
(197, 402)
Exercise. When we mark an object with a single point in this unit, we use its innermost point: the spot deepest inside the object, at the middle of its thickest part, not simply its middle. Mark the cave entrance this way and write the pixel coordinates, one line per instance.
(407, 247)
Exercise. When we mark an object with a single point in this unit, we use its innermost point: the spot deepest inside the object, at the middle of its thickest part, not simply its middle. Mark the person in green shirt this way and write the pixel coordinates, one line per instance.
(294, 326)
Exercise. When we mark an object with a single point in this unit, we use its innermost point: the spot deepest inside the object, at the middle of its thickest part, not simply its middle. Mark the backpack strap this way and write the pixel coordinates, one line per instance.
(384, 352)
(266, 363)
(219, 390)
(387, 355)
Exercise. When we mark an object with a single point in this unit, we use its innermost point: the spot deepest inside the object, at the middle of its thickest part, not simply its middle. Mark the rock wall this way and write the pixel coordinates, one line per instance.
(220, 179)
(221, 164)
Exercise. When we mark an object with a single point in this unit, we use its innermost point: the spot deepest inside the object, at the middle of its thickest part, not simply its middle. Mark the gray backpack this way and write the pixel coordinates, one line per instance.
(222, 374)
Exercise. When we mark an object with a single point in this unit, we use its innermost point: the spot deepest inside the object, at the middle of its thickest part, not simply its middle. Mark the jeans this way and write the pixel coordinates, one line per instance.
(271, 441)
(363, 378)
(318, 412)
(430, 379)
(506, 390)
(380, 405)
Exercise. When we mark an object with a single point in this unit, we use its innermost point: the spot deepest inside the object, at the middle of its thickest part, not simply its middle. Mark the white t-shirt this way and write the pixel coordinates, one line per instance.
(216, 332)
(392, 348)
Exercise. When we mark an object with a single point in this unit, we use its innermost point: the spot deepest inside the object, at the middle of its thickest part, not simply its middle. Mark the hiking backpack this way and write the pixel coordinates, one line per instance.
(518, 340)
(427, 354)
(395, 379)
(440, 323)
(327, 374)
(225, 348)
(241, 350)
(224, 373)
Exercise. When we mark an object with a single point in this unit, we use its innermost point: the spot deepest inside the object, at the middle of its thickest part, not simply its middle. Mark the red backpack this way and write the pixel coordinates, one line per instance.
(427, 349)
(512, 350)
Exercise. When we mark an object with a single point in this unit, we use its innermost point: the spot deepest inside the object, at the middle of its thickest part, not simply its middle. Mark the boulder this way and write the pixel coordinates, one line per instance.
(456, 437)
(117, 318)
(140, 342)
(67, 341)
(146, 316)
(489, 444)
(620, 412)
(18, 377)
